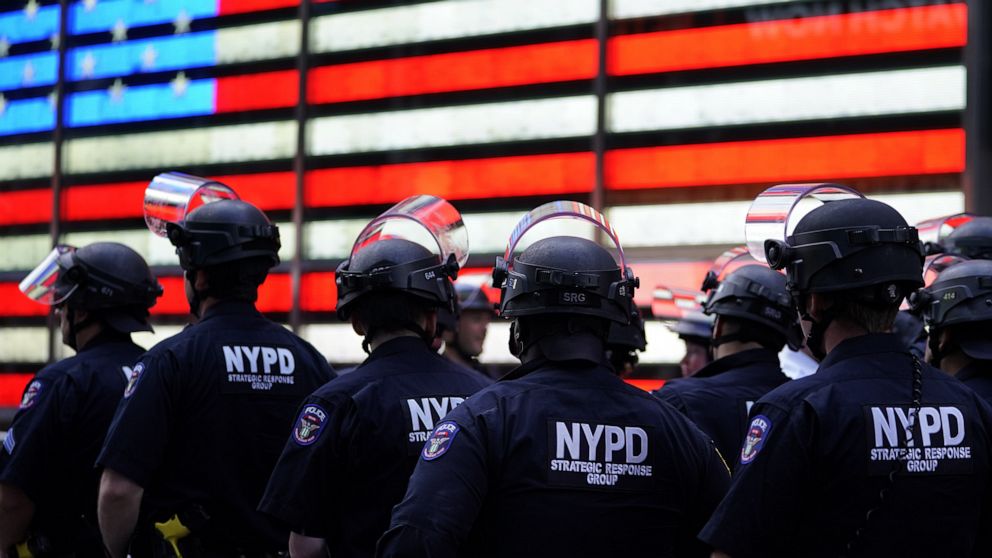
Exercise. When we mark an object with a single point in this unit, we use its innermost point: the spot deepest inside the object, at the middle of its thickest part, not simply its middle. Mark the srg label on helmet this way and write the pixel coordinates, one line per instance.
(599, 456)
(932, 440)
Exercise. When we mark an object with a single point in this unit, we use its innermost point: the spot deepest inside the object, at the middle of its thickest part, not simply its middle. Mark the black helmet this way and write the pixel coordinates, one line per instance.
(961, 294)
(395, 264)
(757, 294)
(471, 296)
(972, 240)
(693, 326)
(107, 278)
(565, 275)
(851, 244)
(628, 337)
(222, 232)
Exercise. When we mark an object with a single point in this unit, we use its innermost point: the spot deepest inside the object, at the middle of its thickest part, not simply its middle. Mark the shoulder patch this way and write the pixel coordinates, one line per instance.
(309, 425)
(132, 382)
(8, 442)
(32, 393)
(757, 433)
(440, 440)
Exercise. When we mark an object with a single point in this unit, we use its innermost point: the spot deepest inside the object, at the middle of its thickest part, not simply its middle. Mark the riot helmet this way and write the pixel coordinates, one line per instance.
(107, 279)
(693, 326)
(564, 274)
(755, 294)
(416, 248)
(961, 294)
(624, 341)
(972, 240)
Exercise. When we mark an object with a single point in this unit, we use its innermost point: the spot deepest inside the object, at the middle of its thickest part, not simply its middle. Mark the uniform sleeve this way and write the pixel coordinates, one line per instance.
(446, 490)
(672, 397)
(33, 444)
(138, 435)
(769, 487)
(301, 492)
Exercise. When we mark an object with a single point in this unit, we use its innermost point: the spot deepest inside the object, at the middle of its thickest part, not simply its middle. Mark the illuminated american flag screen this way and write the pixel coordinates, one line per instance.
(489, 103)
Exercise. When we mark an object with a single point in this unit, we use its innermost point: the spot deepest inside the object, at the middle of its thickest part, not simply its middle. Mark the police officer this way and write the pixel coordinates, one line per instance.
(863, 457)
(624, 342)
(958, 309)
(102, 293)
(465, 337)
(695, 329)
(205, 412)
(560, 457)
(755, 318)
(355, 441)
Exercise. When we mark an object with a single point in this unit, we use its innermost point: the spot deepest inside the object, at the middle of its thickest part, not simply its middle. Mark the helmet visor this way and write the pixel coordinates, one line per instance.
(171, 196)
(42, 285)
(936, 231)
(571, 210)
(427, 220)
(675, 304)
(777, 210)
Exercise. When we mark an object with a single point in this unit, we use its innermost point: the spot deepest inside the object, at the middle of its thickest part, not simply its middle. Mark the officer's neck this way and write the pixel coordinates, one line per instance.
(383, 338)
(839, 331)
(733, 347)
(87, 334)
(955, 362)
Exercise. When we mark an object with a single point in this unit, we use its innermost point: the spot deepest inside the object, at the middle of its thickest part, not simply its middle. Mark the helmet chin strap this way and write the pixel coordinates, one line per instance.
(816, 340)
(75, 327)
(193, 296)
(936, 355)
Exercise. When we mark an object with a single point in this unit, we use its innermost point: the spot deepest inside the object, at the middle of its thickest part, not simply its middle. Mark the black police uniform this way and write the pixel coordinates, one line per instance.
(720, 395)
(535, 464)
(204, 416)
(356, 441)
(978, 376)
(55, 438)
(828, 444)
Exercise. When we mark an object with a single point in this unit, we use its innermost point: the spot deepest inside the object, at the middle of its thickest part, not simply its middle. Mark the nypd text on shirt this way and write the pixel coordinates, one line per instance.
(425, 412)
(257, 367)
(936, 442)
(601, 456)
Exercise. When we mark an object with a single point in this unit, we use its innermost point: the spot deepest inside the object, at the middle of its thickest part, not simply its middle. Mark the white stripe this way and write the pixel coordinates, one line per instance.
(692, 224)
(622, 9)
(158, 150)
(446, 19)
(512, 121)
(785, 100)
(23, 252)
(258, 42)
(23, 344)
(26, 161)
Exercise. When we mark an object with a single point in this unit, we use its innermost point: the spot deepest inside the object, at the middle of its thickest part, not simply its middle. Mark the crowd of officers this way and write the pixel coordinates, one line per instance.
(234, 438)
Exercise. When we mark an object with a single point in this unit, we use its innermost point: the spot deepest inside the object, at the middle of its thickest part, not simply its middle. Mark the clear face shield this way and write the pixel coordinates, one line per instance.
(934, 232)
(556, 219)
(42, 285)
(171, 196)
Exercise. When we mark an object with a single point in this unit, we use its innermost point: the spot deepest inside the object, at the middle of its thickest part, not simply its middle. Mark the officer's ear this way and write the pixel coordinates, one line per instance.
(430, 321)
(817, 303)
(357, 326)
(945, 340)
(202, 280)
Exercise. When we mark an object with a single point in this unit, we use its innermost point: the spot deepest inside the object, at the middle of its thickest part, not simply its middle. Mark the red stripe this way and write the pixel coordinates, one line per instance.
(531, 175)
(646, 385)
(26, 206)
(226, 7)
(257, 91)
(896, 30)
(318, 294)
(831, 157)
(12, 388)
(15, 303)
(460, 71)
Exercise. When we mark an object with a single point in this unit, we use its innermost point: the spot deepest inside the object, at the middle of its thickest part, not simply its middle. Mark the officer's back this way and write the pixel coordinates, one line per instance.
(356, 440)
(755, 318)
(560, 457)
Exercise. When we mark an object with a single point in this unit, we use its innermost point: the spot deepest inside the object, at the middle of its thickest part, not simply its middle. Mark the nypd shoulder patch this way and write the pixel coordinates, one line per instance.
(32, 393)
(757, 433)
(309, 425)
(440, 440)
(132, 382)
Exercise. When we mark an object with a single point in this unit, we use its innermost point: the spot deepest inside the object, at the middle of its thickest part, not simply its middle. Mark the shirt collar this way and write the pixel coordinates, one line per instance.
(403, 344)
(869, 344)
(976, 369)
(230, 307)
(738, 360)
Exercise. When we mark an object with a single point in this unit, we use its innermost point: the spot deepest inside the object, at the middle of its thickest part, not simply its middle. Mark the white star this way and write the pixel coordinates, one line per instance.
(117, 90)
(89, 5)
(180, 84)
(54, 39)
(31, 9)
(4, 46)
(3, 104)
(182, 22)
(148, 57)
(118, 32)
(28, 74)
(88, 65)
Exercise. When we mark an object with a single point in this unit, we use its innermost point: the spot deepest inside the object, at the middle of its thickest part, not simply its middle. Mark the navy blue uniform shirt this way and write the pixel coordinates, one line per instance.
(350, 454)
(820, 449)
(204, 417)
(719, 396)
(56, 436)
(978, 376)
(559, 459)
